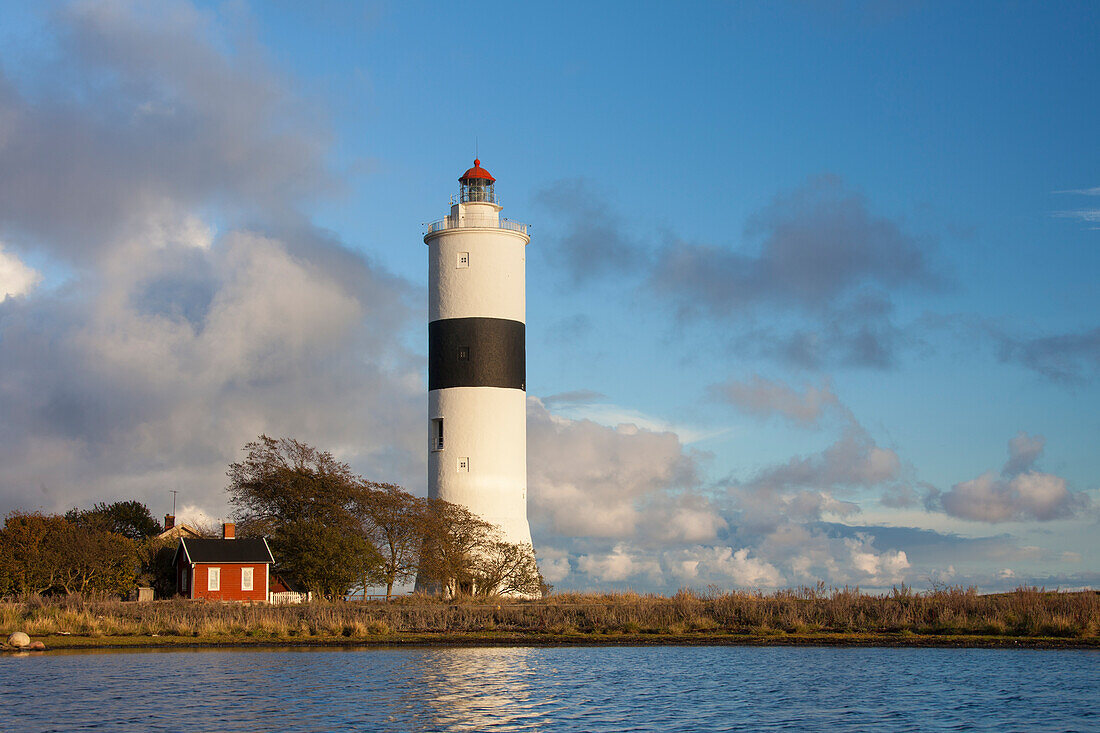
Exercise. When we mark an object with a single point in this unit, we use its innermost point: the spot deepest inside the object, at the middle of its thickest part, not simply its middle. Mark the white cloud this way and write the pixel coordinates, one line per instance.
(1018, 494)
(811, 555)
(16, 278)
(1032, 495)
(196, 516)
(617, 416)
(158, 378)
(625, 506)
(884, 567)
(684, 518)
(553, 563)
(590, 480)
(724, 567)
(622, 563)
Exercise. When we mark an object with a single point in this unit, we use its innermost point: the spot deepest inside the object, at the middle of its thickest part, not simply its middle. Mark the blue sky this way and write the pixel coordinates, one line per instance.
(811, 289)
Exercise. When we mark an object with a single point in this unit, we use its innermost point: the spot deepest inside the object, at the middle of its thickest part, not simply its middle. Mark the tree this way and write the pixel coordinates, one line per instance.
(41, 553)
(453, 536)
(309, 504)
(157, 569)
(507, 568)
(393, 522)
(327, 560)
(130, 519)
(31, 552)
(462, 553)
(283, 480)
(97, 560)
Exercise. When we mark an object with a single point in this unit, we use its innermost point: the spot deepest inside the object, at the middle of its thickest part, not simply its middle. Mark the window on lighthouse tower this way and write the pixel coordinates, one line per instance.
(437, 434)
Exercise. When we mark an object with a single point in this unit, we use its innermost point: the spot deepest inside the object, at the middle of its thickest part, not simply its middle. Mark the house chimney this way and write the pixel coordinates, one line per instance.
(169, 521)
(229, 531)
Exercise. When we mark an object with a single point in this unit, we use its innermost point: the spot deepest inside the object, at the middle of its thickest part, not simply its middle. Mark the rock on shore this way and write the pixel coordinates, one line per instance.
(19, 640)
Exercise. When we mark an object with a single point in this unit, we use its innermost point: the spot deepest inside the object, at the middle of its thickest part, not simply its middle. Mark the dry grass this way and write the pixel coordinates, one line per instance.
(1026, 612)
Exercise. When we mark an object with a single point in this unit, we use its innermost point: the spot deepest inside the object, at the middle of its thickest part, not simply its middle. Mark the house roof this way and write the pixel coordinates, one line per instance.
(180, 530)
(247, 550)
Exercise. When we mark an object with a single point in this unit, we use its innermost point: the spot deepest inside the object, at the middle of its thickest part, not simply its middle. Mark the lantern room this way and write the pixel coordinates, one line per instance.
(477, 185)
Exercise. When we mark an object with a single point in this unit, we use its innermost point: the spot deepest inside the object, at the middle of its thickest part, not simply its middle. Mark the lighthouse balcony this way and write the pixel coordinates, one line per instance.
(456, 222)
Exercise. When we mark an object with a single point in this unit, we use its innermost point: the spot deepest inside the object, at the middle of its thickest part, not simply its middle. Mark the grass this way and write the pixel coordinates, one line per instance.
(804, 615)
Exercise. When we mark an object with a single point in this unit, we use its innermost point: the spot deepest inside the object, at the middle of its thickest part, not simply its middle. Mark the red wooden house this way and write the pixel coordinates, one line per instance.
(223, 570)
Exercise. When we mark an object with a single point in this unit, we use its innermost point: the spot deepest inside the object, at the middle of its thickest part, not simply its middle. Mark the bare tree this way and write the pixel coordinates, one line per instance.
(507, 568)
(393, 521)
(452, 537)
(462, 553)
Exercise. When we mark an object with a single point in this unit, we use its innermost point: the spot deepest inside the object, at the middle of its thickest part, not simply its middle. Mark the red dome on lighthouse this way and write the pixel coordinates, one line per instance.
(477, 172)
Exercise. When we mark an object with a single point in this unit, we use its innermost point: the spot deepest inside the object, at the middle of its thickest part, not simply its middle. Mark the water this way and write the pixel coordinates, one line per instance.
(554, 689)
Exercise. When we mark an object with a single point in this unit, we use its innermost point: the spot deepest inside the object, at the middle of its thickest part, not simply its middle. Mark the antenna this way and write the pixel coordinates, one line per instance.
(173, 492)
(476, 153)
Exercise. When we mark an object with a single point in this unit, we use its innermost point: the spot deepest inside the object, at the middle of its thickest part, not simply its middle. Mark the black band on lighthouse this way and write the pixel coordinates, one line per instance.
(476, 352)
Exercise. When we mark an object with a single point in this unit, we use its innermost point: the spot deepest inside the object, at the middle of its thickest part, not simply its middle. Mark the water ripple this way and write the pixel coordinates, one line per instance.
(554, 689)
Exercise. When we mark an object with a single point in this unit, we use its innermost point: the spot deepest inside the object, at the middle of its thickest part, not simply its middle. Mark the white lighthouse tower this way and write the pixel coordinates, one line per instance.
(477, 370)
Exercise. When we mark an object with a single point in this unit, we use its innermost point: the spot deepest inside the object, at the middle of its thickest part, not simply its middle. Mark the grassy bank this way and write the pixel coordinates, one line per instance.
(809, 615)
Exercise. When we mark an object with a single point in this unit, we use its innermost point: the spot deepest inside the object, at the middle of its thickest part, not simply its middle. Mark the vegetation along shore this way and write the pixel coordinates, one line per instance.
(945, 617)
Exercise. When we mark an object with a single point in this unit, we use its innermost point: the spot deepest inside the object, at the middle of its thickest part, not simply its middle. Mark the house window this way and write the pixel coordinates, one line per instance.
(437, 434)
(463, 260)
(214, 579)
(246, 578)
(183, 582)
(463, 465)
(463, 353)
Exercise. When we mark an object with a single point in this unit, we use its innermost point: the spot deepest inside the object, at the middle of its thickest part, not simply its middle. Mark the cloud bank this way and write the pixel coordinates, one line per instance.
(166, 170)
(626, 505)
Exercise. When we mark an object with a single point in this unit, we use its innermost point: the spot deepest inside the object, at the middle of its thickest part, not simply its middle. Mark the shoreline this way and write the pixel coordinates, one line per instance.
(1027, 618)
(75, 643)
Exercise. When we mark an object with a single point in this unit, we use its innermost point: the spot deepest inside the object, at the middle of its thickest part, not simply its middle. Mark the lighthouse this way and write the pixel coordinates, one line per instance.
(477, 371)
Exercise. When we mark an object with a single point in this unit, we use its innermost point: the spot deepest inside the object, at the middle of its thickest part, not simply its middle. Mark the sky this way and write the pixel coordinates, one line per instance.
(811, 285)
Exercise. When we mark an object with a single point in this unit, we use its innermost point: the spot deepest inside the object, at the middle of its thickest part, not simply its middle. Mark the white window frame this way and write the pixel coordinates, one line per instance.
(213, 578)
(247, 573)
(463, 260)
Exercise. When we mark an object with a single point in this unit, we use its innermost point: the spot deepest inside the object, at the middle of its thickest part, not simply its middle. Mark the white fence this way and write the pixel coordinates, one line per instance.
(288, 597)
